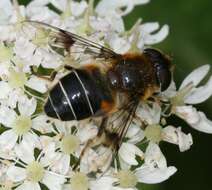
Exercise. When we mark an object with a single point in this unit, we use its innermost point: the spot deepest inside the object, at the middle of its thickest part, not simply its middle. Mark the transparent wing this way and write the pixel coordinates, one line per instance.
(108, 141)
(118, 124)
(60, 38)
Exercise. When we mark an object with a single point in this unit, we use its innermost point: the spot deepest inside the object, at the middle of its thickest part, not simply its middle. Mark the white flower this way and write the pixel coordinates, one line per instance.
(148, 35)
(120, 7)
(59, 151)
(119, 44)
(194, 118)
(199, 94)
(20, 125)
(5, 11)
(135, 134)
(70, 8)
(155, 169)
(96, 160)
(5, 182)
(38, 10)
(176, 136)
(129, 152)
(154, 131)
(65, 144)
(103, 183)
(189, 94)
(32, 171)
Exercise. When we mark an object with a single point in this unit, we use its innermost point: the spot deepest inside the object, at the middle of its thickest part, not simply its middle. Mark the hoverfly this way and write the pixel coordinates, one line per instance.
(113, 88)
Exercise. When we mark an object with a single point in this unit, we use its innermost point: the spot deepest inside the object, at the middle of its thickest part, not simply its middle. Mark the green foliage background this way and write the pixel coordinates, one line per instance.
(189, 42)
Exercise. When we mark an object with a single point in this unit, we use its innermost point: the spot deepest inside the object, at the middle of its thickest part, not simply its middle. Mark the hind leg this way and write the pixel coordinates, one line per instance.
(93, 142)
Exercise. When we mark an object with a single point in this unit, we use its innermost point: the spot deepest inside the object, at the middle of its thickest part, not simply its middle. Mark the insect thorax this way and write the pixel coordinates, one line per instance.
(132, 75)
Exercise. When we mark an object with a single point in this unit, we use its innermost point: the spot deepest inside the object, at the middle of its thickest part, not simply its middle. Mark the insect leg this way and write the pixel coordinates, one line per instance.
(51, 78)
(93, 142)
(102, 126)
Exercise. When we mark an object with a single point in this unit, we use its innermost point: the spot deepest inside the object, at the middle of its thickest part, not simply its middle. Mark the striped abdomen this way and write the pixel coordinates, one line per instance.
(79, 95)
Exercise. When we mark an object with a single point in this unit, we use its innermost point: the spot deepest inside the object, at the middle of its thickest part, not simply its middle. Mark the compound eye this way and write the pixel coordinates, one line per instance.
(162, 67)
(153, 54)
(164, 77)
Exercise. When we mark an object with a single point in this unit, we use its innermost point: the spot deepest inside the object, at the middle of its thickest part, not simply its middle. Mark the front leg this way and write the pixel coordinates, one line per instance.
(52, 75)
(48, 78)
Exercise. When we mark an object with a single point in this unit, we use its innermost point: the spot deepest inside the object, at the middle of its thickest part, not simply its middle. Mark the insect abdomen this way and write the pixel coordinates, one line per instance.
(77, 96)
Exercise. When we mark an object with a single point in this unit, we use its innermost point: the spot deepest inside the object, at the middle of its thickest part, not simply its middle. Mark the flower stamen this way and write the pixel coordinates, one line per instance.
(153, 133)
(69, 144)
(35, 171)
(79, 181)
(6, 53)
(127, 179)
(22, 125)
(17, 79)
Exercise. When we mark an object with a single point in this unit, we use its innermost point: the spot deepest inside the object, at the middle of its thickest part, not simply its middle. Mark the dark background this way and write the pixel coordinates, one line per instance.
(190, 43)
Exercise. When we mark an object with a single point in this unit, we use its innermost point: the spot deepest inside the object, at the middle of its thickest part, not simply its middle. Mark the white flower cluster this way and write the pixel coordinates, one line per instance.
(37, 152)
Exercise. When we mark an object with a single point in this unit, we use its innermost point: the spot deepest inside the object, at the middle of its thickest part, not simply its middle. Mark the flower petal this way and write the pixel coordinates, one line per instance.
(40, 13)
(196, 76)
(149, 114)
(195, 119)
(187, 113)
(148, 175)
(61, 165)
(49, 60)
(16, 174)
(135, 134)
(117, 7)
(6, 10)
(200, 94)
(154, 157)
(27, 106)
(204, 124)
(86, 132)
(23, 48)
(128, 153)
(119, 44)
(149, 27)
(5, 89)
(25, 152)
(171, 91)
(29, 185)
(176, 136)
(156, 37)
(41, 123)
(53, 181)
(98, 160)
(78, 8)
(37, 84)
(8, 140)
(48, 147)
(7, 155)
(31, 140)
(103, 183)
(7, 116)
